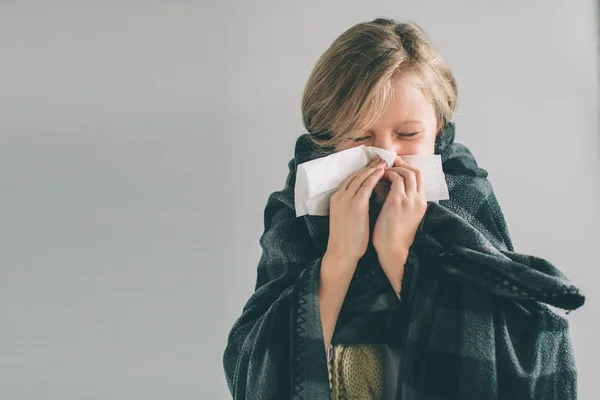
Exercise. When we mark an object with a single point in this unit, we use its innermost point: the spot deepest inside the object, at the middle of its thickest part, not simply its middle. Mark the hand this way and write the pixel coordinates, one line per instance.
(400, 215)
(349, 212)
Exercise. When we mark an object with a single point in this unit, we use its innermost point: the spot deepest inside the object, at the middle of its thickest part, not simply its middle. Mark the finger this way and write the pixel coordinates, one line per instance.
(397, 188)
(361, 177)
(346, 183)
(410, 179)
(399, 162)
(366, 189)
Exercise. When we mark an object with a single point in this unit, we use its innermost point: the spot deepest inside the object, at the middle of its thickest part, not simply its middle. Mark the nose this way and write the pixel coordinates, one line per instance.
(386, 143)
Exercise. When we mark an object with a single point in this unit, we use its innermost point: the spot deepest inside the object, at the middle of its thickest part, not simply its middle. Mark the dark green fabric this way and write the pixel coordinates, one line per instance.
(472, 321)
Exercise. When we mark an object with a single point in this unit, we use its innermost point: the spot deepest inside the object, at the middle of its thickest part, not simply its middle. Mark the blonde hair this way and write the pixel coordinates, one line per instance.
(351, 84)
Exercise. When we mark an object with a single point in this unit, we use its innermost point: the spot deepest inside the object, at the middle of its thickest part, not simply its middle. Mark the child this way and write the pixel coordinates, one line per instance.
(390, 296)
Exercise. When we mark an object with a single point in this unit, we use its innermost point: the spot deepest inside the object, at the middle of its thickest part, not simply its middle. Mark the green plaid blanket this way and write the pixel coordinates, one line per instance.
(473, 319)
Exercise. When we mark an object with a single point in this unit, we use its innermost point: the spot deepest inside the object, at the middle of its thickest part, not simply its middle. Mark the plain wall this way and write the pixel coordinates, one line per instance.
(139, 142)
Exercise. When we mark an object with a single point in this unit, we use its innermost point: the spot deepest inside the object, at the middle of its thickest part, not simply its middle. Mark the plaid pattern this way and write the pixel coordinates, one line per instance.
(472, 321)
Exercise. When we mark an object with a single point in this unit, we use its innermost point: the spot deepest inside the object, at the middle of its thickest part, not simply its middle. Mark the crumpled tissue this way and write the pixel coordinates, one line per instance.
(318, 179)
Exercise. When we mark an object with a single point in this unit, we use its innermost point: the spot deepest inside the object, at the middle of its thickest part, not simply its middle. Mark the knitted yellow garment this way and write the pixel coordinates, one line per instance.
(356, 372)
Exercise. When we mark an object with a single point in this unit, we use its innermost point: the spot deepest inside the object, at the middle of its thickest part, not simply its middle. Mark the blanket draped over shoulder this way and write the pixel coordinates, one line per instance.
(473, 318)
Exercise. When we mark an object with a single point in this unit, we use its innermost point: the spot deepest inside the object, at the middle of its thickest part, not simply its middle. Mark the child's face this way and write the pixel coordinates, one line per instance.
(408, 112)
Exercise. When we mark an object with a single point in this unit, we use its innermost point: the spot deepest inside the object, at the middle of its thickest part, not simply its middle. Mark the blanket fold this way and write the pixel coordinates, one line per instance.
(473, 319)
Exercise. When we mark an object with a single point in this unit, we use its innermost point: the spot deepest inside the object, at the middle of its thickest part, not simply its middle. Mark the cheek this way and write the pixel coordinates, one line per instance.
(420, 146)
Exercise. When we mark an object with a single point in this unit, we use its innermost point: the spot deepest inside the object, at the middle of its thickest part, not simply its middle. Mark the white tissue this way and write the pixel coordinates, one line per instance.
(318, 179)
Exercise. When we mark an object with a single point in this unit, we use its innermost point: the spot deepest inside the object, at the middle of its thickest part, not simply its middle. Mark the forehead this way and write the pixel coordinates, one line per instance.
(407, 98)
(407, 105)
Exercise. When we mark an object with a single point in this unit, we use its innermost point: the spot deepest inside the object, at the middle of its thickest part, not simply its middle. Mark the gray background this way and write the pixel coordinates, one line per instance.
(139, 142)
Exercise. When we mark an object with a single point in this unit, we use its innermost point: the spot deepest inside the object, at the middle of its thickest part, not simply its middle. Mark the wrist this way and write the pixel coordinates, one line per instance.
(341, 252)
(340, 260)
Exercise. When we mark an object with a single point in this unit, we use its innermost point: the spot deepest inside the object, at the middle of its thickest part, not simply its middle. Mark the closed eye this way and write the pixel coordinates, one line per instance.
(399, 134)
